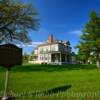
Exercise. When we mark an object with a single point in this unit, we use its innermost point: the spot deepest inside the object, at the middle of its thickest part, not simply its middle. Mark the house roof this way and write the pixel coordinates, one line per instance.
(55, 42)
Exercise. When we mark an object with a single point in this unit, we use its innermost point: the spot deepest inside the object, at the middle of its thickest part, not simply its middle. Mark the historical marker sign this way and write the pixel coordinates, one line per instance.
(10, 55)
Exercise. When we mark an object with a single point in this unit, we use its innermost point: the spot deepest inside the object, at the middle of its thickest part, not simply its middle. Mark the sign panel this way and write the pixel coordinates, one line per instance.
(10, 55)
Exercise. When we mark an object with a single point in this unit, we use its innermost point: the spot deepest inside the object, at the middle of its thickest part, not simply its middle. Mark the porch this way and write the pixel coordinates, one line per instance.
(60, 58)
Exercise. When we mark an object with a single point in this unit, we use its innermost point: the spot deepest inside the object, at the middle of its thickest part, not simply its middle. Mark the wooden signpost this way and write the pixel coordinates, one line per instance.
(10, 55)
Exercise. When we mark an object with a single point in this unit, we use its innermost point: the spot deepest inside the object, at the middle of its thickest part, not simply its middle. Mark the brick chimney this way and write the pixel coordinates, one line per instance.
(50, 39)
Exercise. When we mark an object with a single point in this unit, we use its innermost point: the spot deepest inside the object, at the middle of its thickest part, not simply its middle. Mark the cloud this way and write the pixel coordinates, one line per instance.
(35, 44)
(32, 44)
(76, 32)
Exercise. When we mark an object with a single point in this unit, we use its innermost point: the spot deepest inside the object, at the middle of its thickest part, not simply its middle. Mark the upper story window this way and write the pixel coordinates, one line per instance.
(54, 47)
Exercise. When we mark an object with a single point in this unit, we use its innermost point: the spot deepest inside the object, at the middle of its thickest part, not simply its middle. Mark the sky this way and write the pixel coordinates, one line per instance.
(65, 19)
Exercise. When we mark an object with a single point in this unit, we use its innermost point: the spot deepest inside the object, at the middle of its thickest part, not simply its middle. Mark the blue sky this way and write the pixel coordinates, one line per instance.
(65, 19)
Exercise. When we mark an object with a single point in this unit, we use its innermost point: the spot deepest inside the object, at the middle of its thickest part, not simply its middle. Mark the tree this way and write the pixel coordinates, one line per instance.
(16, 20)
(26, 58)
(83, 53)
(32, 55)
(90, 39)
(81, 57)
(32, 52)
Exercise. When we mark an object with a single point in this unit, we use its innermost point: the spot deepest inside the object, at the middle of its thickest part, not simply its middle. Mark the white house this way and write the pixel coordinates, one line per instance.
(53, 52)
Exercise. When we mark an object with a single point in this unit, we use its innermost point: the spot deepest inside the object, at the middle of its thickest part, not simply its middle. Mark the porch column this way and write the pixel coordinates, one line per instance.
(60, 58)
(66, 59)
(48, 58)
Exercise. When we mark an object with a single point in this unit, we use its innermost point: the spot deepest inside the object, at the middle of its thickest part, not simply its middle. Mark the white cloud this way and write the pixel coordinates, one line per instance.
(76, 32)
(36, 43)
(32, 44)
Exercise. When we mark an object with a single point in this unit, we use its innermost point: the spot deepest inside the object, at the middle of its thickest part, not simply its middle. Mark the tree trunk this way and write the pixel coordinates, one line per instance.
(97, 61)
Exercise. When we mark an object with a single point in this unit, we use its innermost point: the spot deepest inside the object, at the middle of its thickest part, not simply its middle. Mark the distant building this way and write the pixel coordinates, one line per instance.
(54, 52)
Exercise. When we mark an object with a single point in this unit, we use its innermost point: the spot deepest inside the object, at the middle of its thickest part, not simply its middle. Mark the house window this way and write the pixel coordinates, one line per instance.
(46, 58)
(42, 58)
(46, 50)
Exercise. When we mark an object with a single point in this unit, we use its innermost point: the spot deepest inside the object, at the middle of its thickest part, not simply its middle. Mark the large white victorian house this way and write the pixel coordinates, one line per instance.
(54, 52)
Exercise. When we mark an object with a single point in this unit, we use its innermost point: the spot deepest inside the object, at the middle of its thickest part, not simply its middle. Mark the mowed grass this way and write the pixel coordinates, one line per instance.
(53, 82)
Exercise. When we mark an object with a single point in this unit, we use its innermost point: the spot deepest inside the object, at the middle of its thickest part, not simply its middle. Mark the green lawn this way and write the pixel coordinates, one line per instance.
(46, 82)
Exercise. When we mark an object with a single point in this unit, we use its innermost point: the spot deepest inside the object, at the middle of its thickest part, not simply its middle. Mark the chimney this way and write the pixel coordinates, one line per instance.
(50, 39)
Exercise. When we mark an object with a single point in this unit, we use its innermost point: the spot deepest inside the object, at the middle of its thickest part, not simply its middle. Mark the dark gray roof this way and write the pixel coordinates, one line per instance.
(55, 42)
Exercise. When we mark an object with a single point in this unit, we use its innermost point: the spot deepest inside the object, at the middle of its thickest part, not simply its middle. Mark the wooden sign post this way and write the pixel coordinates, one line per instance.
(10, 55)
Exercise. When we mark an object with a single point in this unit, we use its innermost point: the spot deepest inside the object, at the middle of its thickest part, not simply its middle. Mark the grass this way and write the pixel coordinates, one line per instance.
(50, 82)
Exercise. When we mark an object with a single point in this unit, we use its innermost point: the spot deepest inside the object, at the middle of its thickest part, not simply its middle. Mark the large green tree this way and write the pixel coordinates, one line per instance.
(90, 39)
(16, 20)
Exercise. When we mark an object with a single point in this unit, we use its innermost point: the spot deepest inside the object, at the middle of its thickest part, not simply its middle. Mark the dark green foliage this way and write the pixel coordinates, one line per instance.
(25, 58)
(90, 39)
(16, 20)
